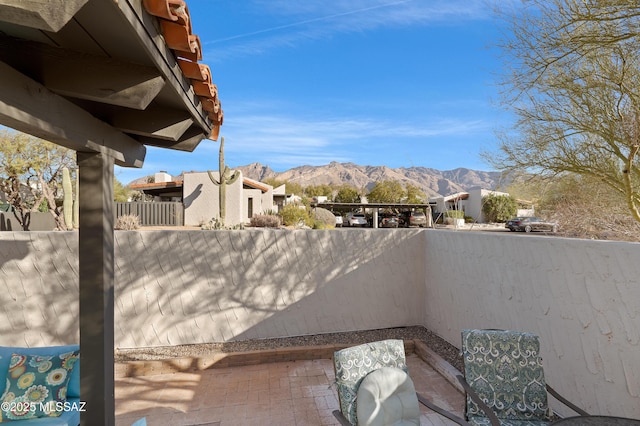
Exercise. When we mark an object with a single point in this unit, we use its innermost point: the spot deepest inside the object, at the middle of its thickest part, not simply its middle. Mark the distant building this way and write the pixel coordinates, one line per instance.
(469, 202)
(200, 197)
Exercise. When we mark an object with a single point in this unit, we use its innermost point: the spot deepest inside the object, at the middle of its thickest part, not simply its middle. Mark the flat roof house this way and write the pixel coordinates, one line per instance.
(245, 197)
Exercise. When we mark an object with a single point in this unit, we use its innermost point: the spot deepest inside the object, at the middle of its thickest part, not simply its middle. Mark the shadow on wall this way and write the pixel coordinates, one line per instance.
(212, 286)
(38, 288)
(13, 251)
(188, 200)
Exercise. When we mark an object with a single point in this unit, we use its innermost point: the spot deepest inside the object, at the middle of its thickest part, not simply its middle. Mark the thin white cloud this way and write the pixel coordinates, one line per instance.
(283, 141)
(321, 19)
(304, 131)
(306, 22)
(278, 138)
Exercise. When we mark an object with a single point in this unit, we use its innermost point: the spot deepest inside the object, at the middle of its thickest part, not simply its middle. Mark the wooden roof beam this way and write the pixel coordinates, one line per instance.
(29, 107)
(84, 76)
(158, 123)
(188, 142)
(48, 15)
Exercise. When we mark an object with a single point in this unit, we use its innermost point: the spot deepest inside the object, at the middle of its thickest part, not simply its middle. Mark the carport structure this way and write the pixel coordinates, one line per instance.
(104, 78)
(376, 207)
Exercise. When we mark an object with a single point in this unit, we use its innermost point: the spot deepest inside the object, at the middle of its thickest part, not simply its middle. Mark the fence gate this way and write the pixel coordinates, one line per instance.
(161, 213)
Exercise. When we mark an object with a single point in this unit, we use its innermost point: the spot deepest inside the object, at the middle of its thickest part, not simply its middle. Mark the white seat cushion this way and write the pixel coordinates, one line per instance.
(387, 397)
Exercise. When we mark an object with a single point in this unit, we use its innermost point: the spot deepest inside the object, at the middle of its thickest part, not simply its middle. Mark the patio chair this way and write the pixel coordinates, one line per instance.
(374, 387)
(504, 379)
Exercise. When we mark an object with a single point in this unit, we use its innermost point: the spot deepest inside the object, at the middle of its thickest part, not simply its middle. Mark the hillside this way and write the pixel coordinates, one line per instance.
(431, 181)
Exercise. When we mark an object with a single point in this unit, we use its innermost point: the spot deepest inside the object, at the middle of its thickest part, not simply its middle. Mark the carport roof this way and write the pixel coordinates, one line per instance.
(332, 205)
(106, 76)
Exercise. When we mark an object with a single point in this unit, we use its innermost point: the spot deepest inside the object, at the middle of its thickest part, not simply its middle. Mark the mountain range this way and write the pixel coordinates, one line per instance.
(433, 182)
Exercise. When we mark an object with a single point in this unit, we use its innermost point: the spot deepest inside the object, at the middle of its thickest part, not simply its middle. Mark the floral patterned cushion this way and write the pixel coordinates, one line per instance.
(35, 385)
(505, 370)
(484, 421)
(353, 364)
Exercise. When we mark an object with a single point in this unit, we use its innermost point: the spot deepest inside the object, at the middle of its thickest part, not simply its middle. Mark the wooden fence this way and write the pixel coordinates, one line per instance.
(165, 213)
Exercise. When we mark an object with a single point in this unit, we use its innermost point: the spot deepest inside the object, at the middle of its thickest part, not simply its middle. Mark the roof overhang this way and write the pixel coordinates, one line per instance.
(457, 196)
(254, 184)
(106, 76)
(167, 189)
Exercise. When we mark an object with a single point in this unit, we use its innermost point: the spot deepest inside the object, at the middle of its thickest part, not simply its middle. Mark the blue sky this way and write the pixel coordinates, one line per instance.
(374, 82)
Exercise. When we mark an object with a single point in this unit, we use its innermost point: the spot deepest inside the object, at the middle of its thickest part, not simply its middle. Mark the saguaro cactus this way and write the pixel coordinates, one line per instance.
(67, 202)
(76, 202)
(225, 178)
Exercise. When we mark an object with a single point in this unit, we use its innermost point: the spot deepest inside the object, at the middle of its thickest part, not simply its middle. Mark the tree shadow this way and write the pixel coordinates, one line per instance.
(38, 288)
(186, 287)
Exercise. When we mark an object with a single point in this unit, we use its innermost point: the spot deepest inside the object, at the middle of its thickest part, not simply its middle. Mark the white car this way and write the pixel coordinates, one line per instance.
(338, 220)
(355, 219)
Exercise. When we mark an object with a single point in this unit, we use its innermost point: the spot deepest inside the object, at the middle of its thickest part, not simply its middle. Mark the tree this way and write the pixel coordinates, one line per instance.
(499, 208)
(293, 188)
(574, 85)
(31, 174)
(273, 182)
(290, 187)
(414, 195)
(584, 208)
(318, 190)
(387, 191)
(347, 194)
(120, 192)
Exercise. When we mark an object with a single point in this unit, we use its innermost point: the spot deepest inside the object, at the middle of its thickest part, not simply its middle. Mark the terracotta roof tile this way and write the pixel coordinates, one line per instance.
(194, 70)
(175, 24)
(163, 9)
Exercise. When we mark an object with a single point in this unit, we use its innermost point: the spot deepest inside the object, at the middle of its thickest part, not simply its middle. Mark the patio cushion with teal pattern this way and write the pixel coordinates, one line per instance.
(505, 369)
(353, 364)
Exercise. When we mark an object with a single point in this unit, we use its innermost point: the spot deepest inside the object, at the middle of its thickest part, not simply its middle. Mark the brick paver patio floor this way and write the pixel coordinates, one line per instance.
(282, 393)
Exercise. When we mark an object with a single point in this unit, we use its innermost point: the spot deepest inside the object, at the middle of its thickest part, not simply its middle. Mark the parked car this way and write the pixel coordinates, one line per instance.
(338, 219)
(355, 219)
(529, 224)
(413, 218)
(391, 221)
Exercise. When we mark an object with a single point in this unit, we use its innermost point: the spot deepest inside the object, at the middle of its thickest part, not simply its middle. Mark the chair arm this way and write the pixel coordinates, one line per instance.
(566, 402)
(442, 411)
(483, 406)
(341, 418)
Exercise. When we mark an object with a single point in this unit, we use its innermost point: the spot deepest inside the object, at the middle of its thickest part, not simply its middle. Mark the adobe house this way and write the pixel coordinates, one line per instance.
(471, 203)
(200, 197)
(104, 78)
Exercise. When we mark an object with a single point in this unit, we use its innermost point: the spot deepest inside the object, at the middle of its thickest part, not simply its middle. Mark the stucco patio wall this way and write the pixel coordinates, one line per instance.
(185, 287)
(206, 286)
(173, 287)
(38, 288)
(581, 297)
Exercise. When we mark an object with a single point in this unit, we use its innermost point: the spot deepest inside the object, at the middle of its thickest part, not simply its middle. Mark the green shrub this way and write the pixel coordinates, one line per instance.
(499, 208)
(454, 214)
(321, 225)
(292, 215)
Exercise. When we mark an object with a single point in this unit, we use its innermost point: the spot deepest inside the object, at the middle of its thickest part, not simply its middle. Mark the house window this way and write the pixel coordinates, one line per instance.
(250, 208)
